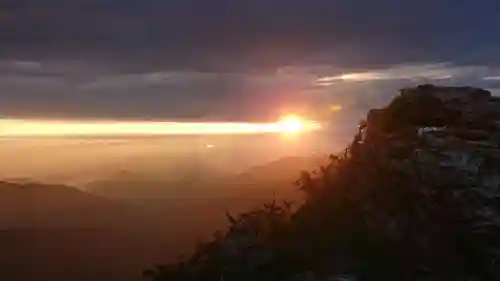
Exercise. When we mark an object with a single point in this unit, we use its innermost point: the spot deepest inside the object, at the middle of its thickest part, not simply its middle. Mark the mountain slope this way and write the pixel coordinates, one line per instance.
(38, 205)
(59, 233)
(257, 182)
(414, 197)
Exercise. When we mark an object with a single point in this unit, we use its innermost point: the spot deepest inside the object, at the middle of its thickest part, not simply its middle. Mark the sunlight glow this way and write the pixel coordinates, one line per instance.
(335, 107)
(291, 124)
(45, 128)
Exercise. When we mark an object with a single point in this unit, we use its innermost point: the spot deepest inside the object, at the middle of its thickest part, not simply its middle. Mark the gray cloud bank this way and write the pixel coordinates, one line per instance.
(73, 89)
(258, 34)
(224, 59)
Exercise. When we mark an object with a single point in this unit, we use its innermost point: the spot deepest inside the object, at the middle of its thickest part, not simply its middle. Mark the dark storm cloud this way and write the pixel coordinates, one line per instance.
(235, 59)
(69, 89)
(354, 32)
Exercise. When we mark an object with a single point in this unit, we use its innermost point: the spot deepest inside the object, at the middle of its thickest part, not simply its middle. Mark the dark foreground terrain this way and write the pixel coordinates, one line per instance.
(414, 197)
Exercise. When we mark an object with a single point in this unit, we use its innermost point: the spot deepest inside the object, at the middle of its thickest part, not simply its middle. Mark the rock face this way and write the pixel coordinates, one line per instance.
(441, 144)
(416, 196)
(458, 127)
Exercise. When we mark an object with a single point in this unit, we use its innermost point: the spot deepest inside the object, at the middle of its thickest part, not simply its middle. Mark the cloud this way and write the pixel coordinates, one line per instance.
(20, 65)
(415, 72)
(77, 89)
(493, 78)
(242, 60)
(254, 34)
(59, 88)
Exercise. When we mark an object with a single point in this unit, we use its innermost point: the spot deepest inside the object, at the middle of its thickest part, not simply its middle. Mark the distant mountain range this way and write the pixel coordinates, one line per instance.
(30, 205)
(277, 176)
(119, 226)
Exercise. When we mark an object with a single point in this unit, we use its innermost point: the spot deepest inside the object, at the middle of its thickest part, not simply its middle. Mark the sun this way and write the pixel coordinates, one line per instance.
(291, 124)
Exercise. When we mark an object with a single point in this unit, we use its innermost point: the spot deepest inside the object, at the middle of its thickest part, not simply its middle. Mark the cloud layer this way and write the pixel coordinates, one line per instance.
(223, 59)
(254, 34)
(73, 89)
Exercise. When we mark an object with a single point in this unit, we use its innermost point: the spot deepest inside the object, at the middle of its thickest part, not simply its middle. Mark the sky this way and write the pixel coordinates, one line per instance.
(236, 60)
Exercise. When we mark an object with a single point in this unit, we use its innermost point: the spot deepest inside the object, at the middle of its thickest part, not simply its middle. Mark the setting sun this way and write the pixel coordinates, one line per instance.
(291, 124)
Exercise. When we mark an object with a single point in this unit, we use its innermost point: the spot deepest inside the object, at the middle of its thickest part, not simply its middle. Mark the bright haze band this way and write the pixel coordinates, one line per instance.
(43, 128)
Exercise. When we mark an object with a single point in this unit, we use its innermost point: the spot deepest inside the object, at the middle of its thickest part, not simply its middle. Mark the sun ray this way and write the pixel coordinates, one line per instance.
(33, 128)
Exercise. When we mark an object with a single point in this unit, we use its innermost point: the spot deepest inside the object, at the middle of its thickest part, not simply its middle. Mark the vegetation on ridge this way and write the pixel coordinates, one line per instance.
(409, 199)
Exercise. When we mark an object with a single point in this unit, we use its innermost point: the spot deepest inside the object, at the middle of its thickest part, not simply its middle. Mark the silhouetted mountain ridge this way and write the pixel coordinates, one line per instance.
(59, 233)
(283, 168)
(413, 197)
(63, 233)
(42, 205)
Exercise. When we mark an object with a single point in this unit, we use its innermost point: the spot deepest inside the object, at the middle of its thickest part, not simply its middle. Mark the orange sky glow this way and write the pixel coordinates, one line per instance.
(290, 124)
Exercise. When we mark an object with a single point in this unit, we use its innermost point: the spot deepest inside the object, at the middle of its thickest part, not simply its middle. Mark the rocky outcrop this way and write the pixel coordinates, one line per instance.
(441, 145)
(430, 106)
(456, 127)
